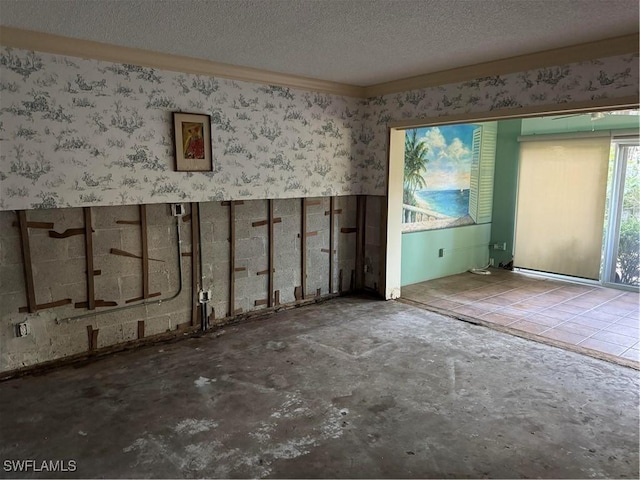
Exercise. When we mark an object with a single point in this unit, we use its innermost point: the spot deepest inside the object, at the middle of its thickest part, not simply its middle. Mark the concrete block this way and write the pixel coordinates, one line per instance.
(66, 272)
(10, 250)
(106, 239)
(6, 224)
(46, 249)
(131, 239)
(11, 302)
(130, 286)
(251, 247)
(160, 214)
(106, 217)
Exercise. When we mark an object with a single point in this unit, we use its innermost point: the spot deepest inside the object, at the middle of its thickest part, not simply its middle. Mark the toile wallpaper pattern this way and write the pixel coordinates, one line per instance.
(76, 132)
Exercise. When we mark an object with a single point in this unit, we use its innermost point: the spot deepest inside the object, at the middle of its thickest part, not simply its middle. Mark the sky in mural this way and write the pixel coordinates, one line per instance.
(449, 153)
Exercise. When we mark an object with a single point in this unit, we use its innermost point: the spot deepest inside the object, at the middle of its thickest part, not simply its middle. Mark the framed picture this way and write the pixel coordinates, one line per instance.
(192, 133)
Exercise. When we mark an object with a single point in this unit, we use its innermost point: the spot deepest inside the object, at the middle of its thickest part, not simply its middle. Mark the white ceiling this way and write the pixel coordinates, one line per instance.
(359, 42)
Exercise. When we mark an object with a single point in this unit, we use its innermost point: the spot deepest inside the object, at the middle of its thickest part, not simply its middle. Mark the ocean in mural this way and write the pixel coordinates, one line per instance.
(452, 203)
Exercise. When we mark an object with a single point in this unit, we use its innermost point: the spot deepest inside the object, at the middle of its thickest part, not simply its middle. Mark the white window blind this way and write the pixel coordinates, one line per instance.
(561, 202)
(483, 159)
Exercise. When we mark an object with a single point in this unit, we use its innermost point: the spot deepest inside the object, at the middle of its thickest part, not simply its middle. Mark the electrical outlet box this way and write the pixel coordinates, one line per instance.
(22, 329)
(204, 296)
(441, 252)
(177, 209)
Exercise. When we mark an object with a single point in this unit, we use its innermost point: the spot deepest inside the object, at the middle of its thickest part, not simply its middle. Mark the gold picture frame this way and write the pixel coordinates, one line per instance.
(192, 137)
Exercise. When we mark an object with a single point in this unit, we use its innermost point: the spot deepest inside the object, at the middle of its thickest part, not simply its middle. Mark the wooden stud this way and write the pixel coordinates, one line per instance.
(93, 337)
(303, 247)
(263, 301)
(318, 292)
(297, 293)
(140, 328)
(352, 284)
(232, 257)
(183, 326)
(382, 274)
(271, 254)
(360, 206)
(44, 306)
(97, 272)
(237, 311)
(332, 225)
(234, 202)
(186, 217)
(26, 261)
(88, 254)
(313, 203)
(144, 242)
(264, 272)
(326, 250)
(128, 222)
(262, 223)
(195, 264)
(335, 211)
(239, 269)
(186, 254)
(69, 232)
(348, 229)
(277, 298)
(340, 281)
(122, 253)
(42, 225)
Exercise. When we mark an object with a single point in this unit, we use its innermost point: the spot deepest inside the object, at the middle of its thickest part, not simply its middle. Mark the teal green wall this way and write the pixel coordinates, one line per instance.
(465, 247)
(505, 181)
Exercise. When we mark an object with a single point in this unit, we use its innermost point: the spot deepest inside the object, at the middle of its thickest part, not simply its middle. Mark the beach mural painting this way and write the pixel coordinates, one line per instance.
(437, 177)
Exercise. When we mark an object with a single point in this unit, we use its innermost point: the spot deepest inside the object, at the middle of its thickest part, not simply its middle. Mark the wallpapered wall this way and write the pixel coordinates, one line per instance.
(80, 132)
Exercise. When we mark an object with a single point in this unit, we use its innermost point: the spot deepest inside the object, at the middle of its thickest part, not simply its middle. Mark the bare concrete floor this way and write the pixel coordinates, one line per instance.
(349, 388)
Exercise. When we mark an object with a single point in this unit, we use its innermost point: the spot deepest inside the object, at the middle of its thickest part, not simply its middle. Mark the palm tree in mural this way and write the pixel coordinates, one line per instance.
(415, 164)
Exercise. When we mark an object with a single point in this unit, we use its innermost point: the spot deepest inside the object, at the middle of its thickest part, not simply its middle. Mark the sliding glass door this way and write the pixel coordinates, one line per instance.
(621, 260)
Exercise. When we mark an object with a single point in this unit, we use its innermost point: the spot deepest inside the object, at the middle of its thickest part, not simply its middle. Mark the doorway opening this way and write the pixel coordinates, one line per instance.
(459, 246)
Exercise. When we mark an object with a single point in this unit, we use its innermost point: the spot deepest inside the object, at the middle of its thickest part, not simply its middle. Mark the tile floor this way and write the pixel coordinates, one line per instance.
(596, 319)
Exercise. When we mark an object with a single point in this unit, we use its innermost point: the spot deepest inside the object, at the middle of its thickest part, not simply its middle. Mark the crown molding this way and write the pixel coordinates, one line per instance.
(56, 44)
(558, 56)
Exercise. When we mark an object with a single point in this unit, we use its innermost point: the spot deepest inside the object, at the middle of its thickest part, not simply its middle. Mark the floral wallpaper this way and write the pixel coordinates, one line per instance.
(77, 132)
(608, 77)
(80, 132)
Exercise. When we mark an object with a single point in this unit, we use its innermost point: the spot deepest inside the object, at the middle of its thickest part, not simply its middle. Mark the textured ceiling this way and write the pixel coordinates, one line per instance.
(359, 42)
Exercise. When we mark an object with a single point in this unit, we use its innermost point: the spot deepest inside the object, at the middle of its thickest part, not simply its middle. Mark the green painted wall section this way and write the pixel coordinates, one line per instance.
(505, 181)
(465, 247)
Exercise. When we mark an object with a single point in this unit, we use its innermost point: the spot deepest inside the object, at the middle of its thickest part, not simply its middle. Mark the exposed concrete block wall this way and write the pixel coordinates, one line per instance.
(214, 231)
(346, 242)
(317, 260)
(59, 267)
(373, 226)
(287, 254)
(251, 253)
